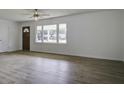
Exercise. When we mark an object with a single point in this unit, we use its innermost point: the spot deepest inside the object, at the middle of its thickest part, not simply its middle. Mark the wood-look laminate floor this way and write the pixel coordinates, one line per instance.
(42, 68)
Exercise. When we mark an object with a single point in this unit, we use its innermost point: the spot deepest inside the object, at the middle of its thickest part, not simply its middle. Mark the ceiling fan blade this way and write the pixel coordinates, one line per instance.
(40, 14)
(26, 13)
(31, 17)
(36, 14)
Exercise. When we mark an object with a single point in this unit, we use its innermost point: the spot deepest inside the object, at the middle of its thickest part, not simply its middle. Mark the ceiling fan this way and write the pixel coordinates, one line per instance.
(36, 15)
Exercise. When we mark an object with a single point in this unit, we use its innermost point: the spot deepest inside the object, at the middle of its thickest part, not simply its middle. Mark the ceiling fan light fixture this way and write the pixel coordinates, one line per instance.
(36, 15)
(35, 18)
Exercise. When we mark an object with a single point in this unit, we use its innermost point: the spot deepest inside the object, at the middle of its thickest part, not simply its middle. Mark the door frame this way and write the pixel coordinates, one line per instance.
(23, 37)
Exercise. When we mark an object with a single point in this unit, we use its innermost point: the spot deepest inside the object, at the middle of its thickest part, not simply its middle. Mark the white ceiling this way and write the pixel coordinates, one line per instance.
(25, 14)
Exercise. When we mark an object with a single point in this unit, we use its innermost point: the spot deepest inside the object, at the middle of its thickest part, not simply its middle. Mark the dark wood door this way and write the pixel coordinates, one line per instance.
(26, 38)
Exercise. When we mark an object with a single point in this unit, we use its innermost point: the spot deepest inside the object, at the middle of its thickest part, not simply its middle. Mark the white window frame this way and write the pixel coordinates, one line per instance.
(57, 34)
(36, 34)
(49, 32)
(65, 33)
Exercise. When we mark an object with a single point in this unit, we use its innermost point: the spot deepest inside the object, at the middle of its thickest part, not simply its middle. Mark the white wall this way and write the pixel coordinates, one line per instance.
(123, 39)
(91, 35)
(122, 35)
(9, 36)
(123, 46)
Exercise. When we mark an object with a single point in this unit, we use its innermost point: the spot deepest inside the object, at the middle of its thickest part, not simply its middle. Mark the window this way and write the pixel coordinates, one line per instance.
(62, 33)
(39, 34)
(50, 33)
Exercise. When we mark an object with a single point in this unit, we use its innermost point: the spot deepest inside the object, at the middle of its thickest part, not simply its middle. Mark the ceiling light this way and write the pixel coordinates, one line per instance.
(35, 18)
(36, 15)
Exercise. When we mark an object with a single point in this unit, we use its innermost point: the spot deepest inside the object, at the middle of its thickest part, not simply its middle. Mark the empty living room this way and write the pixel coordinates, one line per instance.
(61, 46)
